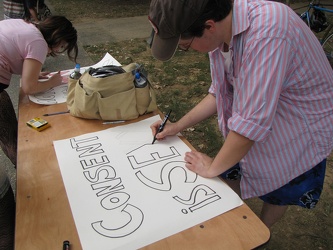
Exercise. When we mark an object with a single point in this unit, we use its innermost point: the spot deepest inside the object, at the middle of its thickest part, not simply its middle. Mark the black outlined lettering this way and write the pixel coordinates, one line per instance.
(164, 182)
(134, 220)
(144, 156)
(195, 201)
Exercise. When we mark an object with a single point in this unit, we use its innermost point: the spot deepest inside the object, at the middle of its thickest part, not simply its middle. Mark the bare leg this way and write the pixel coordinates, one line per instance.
(271, 213)
(7, 221)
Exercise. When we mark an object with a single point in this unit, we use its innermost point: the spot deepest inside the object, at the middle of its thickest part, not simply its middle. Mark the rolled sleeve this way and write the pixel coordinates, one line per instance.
(248, 128)
(212, 90)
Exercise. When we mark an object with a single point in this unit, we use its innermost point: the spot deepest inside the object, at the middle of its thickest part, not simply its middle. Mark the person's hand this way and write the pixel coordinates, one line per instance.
(198, 163)
(56, 79)
(169, 129)
(43, 75)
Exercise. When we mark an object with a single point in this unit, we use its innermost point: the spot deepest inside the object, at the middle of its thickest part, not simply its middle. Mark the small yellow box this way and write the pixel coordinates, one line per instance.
(38, 124)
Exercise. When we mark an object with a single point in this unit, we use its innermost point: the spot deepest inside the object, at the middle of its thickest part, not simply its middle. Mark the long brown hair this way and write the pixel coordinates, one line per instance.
(57, 29)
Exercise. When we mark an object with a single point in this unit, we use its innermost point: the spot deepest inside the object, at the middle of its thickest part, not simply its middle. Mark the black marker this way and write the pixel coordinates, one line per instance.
(65, 245)
(160, 129)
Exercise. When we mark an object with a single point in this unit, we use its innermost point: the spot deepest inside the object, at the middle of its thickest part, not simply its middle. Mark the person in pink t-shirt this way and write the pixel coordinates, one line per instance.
(24, 47)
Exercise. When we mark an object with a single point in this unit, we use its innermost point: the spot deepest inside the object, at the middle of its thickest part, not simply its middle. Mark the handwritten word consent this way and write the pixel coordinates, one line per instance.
(104, 181)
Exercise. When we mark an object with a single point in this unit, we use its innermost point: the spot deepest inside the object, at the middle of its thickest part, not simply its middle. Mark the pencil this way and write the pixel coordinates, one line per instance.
(57, 113)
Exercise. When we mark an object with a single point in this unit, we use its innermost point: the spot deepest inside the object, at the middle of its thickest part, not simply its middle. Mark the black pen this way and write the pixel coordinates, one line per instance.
(160, 129)
(65, 245)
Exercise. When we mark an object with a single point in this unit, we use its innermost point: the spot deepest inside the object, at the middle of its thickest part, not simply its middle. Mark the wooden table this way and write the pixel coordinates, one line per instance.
(43, 215)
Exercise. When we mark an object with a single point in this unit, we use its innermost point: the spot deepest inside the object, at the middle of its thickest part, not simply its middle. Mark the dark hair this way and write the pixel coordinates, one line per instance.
(215, 10)
(56, 29)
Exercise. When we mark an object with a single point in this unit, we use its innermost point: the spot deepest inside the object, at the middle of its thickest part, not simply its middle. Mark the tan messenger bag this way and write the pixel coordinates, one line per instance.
(109, 93)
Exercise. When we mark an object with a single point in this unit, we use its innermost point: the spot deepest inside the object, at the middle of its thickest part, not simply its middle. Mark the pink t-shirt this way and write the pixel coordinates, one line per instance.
(19, 40)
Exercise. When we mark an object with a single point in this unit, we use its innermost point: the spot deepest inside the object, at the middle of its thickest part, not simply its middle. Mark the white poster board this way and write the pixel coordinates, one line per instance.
(126, 193)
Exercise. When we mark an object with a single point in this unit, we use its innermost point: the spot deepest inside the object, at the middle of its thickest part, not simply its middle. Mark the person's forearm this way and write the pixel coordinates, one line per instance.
(30, 78)
(233, 150)
(202, 111)
(30, 89)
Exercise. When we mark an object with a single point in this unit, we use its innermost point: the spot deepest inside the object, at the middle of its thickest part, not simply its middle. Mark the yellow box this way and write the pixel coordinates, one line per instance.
(38, 124)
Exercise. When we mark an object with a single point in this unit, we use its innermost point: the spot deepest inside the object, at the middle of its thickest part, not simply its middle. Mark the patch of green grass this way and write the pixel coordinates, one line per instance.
(196, 90)
(77, 9)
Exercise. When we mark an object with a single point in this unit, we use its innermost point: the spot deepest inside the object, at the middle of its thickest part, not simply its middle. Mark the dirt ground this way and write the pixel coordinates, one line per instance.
(299, 228)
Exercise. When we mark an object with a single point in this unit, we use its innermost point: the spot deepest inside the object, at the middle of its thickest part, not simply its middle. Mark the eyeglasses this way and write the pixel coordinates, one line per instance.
(186, 46)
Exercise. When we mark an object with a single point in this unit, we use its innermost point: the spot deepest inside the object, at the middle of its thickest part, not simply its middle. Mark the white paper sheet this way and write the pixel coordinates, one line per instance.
(126, 193)
(59, 94)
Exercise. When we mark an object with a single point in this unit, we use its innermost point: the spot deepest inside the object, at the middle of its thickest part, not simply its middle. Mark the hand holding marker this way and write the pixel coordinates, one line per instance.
(160, 129)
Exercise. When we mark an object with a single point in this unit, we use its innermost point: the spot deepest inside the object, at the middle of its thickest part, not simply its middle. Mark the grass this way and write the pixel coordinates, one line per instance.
(77, 9)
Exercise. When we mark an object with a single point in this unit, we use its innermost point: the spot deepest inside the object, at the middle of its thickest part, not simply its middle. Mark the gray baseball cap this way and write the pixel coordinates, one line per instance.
(171, 18)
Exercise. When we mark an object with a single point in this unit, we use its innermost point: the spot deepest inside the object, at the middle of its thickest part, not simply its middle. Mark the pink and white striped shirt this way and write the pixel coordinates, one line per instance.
(278, 92)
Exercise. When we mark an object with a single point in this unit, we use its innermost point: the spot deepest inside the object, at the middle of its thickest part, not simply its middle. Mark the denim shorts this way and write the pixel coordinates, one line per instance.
(302, 191)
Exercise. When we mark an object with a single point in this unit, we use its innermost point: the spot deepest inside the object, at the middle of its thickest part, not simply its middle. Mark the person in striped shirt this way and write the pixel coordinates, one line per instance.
(15, 9)
(272, 89)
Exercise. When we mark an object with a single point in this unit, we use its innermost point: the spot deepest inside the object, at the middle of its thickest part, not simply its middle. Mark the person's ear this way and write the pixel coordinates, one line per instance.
(210, 25)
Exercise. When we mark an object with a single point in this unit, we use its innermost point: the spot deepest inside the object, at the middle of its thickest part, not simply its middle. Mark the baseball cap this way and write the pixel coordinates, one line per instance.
(171, 18)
